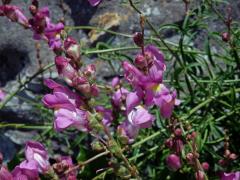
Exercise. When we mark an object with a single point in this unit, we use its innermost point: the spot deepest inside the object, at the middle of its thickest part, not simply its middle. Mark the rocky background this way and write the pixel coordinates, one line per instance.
(18, 53)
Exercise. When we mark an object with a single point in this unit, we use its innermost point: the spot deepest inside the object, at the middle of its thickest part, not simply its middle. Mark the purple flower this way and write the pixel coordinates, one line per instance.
(5, 174)
(35, 151)
(173, 162)
(106, 114)
(140, 117)
(62, 97)
(27, 170)
(72, 49)
(133, 75)
(65, 118)
(132, 101)
(119, 96)
(14, 14)
(43, 28)
(2, 95)
(65, 69)
(159, 95)
(128, 131)
(94, 2)
(67, 162)
(115, 82)
(230, 176)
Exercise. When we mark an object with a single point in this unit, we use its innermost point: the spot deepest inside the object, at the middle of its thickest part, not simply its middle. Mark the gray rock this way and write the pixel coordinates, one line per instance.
(7, 148)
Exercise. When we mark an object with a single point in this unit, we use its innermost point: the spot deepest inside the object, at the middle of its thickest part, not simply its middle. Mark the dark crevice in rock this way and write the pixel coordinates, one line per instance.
(81, 12)
(12, 63)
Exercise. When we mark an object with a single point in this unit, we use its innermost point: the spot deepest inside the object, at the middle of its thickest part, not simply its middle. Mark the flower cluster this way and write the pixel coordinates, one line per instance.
(36, 162)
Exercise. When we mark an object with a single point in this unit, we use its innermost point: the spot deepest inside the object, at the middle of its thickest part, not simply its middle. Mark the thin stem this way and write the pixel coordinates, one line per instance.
(23, 84)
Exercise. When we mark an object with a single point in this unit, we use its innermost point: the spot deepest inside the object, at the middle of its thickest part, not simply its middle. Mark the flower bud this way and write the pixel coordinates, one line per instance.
(199, 175)
(190, 158)
(205, 166)
(140, 61)
(115, 82)
(225, 36)
(138, 39)
(72, 49)
(169, 143)
(97, 146)
(178, 132)
(173, 162)
(90, 70)
(33, 9)
(194, 135)
(232, 156)
(222, 162)
(5, 174)
(227, 153)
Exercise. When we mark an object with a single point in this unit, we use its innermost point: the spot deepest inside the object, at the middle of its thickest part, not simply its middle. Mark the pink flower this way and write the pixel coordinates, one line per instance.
(62, 97)
(133, 75)
(67, 162)
(159, 95)
(65, 69)
(27, 170)
(132, 101)
(43, 28)
(199, 175)
(14, 14)
(230, 176)
(106, 114)
(94, 2)
(140, 117)
(128, 131)
(72, 49)
(173, 162)
(2, 95)
(115, 82)
(65, 118)
(5, 174)
(119, 96)
(35, 151)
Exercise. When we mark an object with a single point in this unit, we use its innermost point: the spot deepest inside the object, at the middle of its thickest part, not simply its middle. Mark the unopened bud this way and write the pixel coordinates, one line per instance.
(97, 146)
(232, 156)
(194, 135)
(169, 143)
(227, 153)
(173, 162)
(205, 166)
(115, 82)
(33, 9)
(225, 36)
(90, 70)
(222, 162)
(140, 61)
(178, 132)
(199, 175)
(190, 158)
(138, 39)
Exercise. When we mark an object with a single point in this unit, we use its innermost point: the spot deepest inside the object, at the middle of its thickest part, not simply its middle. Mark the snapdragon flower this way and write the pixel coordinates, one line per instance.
(26, 171)
(15, 14)
(230, 176)
(66, 105)
(36, 152)
(4, 173)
